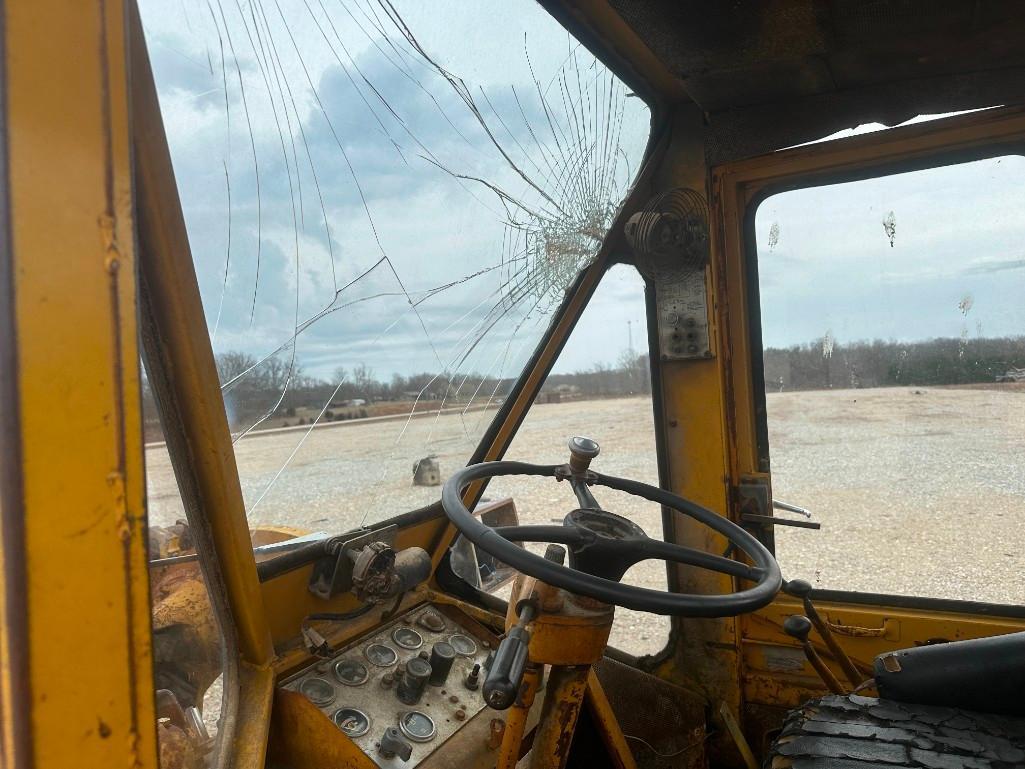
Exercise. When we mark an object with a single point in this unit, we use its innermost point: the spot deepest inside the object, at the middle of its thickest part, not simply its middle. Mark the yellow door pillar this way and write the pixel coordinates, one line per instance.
(76, 680)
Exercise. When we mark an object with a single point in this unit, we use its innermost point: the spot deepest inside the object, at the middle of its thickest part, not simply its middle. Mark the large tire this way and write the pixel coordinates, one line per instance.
(866, 733)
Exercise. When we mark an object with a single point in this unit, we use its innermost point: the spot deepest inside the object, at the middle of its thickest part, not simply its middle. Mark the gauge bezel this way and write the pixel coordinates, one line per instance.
(455, 648)
(351, 735)
(414, 737)
(395, 655)
(406, 629)
(351, 661)
(320, 702)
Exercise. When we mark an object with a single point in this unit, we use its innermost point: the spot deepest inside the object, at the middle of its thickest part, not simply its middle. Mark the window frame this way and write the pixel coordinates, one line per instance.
(737, 191)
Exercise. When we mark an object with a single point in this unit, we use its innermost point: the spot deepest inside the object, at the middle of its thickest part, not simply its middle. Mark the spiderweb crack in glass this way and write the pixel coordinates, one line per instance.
(386, 203)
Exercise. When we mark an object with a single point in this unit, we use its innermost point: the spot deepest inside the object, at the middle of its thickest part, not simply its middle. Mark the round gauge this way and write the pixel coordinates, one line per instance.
(318, 691)
(417, 726)
(407, 638)
(463, 644)
(353, 722)
(351, 672)
(432, 621)
(381, 655)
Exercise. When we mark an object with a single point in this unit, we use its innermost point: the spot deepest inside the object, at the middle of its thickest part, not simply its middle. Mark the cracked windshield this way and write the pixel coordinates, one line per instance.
(894, 358)
(386, 202)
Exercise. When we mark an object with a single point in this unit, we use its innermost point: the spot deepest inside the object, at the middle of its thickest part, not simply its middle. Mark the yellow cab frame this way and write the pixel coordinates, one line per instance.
(94, 257)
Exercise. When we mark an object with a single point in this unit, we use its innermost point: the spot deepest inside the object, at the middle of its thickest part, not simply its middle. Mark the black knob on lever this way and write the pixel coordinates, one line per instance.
(797, 626)
(505, 677)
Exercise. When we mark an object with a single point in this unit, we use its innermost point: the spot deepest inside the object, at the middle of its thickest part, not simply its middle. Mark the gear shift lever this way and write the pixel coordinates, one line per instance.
(798, 626)
(799, 588)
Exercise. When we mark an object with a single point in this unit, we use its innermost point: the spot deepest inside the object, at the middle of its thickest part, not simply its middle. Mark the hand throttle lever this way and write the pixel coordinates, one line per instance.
(798, 626)
(801, 589)
(505, 677)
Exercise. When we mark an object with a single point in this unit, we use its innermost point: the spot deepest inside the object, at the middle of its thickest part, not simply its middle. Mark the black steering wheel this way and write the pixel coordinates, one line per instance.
(603, 545)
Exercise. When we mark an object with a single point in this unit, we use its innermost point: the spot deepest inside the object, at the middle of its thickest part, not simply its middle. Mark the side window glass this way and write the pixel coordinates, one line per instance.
(600, 388)
(893, 332)
(188, 646)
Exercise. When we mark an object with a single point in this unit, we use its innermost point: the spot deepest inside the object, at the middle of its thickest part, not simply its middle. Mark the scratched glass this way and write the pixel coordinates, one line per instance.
(386, 202)
(893, 330)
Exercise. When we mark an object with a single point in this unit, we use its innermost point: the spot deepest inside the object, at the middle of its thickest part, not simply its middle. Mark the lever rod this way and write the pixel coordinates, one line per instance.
(780, 505)
(799, 588)
(798, 626)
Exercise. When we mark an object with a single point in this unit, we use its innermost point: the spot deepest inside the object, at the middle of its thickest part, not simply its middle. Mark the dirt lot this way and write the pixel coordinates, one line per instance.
(919, 491)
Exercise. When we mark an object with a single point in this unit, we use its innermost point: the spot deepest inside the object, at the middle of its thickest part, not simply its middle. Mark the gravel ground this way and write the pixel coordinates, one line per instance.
(919, 492)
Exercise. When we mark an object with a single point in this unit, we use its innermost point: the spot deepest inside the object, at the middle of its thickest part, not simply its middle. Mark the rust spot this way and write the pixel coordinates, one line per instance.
(891, 664)
(496, 733)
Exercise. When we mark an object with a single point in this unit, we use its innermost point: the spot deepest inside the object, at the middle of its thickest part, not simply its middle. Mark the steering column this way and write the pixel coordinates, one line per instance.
(560, 614)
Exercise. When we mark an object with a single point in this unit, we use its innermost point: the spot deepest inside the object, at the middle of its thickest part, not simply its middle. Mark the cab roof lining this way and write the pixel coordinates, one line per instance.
(773, 73)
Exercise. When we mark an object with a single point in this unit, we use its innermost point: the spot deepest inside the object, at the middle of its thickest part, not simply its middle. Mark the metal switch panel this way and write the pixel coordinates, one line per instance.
(682, 306)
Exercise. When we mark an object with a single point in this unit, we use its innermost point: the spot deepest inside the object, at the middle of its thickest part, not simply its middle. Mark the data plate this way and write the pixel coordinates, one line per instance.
(381, 705)
(682, 304)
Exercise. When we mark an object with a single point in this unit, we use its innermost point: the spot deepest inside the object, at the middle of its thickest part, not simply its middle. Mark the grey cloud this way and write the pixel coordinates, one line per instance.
(399, 131)
(994, 265)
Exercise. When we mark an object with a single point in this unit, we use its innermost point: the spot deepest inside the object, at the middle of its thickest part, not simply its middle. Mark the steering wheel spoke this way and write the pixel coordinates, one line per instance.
(562, 535)
(689, 556)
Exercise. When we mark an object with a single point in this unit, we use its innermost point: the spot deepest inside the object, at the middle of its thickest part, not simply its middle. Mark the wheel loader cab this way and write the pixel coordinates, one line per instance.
(624, 384)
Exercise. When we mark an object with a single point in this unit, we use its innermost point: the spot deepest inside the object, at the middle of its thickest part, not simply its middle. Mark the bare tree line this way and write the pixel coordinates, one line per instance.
(825, 363)
(250, 389)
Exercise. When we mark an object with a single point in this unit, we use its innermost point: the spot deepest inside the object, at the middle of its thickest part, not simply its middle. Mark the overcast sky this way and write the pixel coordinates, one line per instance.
(365, 176)
(954, 266)
(330, 171)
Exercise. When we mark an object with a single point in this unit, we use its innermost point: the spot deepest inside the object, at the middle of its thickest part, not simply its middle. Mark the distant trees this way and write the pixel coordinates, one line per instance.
(279, 385)
(630, 376)
(280, 388)
(878, 363)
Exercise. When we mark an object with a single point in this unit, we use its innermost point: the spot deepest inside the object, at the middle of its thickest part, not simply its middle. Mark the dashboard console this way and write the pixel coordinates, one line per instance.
(402, 692)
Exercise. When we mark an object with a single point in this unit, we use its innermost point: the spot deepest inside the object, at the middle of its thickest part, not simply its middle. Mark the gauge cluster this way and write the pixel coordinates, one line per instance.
(401, 692)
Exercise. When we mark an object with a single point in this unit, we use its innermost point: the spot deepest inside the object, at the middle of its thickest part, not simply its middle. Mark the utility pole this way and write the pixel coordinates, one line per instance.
(630, 337)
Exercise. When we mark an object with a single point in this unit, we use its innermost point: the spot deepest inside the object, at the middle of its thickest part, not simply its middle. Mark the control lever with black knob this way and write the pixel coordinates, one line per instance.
(505, 677)
(798, 626)
(801, 589)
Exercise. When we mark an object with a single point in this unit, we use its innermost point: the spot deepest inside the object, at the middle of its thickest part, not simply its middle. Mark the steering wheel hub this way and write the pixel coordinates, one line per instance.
(591, 555)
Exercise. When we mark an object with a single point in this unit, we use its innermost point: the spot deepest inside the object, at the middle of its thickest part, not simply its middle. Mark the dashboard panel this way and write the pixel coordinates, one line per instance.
(410, 683)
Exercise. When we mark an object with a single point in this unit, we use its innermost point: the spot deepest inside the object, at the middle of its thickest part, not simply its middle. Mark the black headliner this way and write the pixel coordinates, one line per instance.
(772, 73)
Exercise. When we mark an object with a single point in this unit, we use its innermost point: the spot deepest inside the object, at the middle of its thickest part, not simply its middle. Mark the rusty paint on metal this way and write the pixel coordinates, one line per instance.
(564, 695)
(888, 629)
